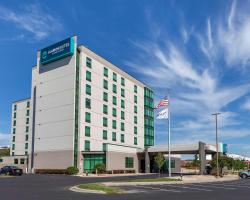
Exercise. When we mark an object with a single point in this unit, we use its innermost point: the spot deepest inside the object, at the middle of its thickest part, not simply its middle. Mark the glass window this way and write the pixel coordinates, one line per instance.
(113, 136)
(15, 107)
(26, 137)
(105, 109)
(14, 123)
(135, 130)
(88, 62)
(114, 77)
(114, 88)
(129, 162)
(27, 112)
(88, 89)
(13, 139)
(87, 145)
(105, 96)
(22, 160)
(14, 115)
(122, 92)
(114, 100)
(105, 72)
(105, 121)
(104, 134)
(122, 126)
(135, 109)
(135, 140)
(26, 145)
(87, 131)
(122, 138)
(16, 161)
(27, 129)
(87, 117)
(122, 81)
(114, 124)
(87, 103)
(28, 104)
(114, 112)
(135, 88)
(88, 75)
(105, 84)
(122, 115)
(104, 147)
(122, 103)
(13, 146)
(27, 120)
(14, 130)
(135, 119)
(135, 99)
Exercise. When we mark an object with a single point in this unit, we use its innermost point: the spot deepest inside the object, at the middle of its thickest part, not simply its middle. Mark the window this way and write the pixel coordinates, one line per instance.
(122, 103)
(122, 126)
(122, 92)
(14, 115)
(87, 145)
(122, 81)
(87, 103)
(88, 89)
(135, 130)
(114, 112)
(105, 96)
(88, 75)
(129, 162)
(14, 123)
(113, 136)
(114, 77)
(114, 88)
(135, 99)
(1, 160)
(26, 145)
(122, 138)
(16, 161)
(27, 120)
(87, 117)
(135, 109)
(105, 84)
(88, 62)
(27, 129)
(28, 104)
(87, 131)
(13, 139)
(135, 89)
(105, 109)
(26, 153)
(26, 137)
(22, 160)
(105, 72)
(135, 140)
(15, 107)
(114, 100)
(105, 121)
(135, 119)
(104, 134)
(122, 115)
(27, 112)
(114, 124)
(13, 153)
(104, 147)
(14, 130)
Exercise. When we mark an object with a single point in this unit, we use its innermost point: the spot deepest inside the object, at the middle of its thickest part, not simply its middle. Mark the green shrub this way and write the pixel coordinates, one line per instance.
(72, 170)
(100, 168)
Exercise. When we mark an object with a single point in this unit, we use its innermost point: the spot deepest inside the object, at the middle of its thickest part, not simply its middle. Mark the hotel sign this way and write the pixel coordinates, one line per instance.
(57, 51)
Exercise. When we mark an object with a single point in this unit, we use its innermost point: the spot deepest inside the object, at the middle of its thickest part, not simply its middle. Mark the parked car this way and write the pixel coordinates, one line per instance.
(11, 170)
(244, 174)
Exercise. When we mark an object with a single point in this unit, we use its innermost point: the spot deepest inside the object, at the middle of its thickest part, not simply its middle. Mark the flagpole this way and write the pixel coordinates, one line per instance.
(169, 137)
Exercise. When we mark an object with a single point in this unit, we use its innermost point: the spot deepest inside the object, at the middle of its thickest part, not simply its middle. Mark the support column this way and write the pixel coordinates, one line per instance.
(202, 158)
(147, 161)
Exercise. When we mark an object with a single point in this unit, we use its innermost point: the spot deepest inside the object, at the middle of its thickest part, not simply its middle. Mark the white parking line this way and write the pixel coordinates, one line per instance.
(191, 188)
(213, 186)
(153, 188)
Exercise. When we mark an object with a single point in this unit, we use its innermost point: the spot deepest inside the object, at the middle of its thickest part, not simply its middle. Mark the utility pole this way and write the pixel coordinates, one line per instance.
(217, 145)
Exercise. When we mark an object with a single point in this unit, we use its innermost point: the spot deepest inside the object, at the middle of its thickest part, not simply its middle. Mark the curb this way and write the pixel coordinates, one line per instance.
(77, 189)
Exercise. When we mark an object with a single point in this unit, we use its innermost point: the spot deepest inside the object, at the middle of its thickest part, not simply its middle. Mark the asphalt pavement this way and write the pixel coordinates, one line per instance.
(56, 187)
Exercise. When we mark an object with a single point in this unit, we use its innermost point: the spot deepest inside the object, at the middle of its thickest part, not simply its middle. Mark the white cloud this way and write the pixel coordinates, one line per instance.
(4, 139)
(246, 105)
(32, 19)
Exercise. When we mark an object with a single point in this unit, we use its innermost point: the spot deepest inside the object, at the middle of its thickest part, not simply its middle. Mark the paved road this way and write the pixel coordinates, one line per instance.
(55, 187)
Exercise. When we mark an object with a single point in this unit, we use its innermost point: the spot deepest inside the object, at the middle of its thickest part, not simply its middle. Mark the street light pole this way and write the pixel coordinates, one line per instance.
(217, 145)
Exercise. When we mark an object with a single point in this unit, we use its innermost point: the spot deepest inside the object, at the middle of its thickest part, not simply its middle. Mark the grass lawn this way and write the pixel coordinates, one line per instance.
(155, 180)
(100, 187)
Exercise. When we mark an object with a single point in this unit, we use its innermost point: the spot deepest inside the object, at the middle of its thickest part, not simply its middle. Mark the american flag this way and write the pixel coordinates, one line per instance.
(163, 102)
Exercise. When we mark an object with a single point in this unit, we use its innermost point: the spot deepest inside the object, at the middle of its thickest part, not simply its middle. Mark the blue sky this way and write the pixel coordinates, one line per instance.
(200, 50)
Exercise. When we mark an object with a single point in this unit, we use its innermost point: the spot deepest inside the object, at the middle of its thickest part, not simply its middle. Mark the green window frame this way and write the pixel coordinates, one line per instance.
(88, 62)
(135, 99)
(87, 117)
(13, 139)
(14, 131)
(114, 124)
(129, 162)
(88, 76)
(135, 141)
(105, 96)
(104, 147)
(105, 84)
(114, 100)
(22, 161)
(87, 131)
(26, 129)
(105, 134)
(135, 119)
(87, 145)
(87, 103)
(122, 126)
(122, 115)
(26, 137)
(122, 138)
(135, 130)
(114, 112)
(13, 146)
(114, 88)
(122, 92)
(122, 103)
(15, 107)
(105, 71)
(28, 104)
(26, 145)
(27, 112)
(113, 136)
(135, 89)
(105, 122)
(135, 109)
(88, 89)
(122, 81)
(16, 161)
(14, 115)
(114, 76)
(27, 120)
(14, 123)
(105, 109)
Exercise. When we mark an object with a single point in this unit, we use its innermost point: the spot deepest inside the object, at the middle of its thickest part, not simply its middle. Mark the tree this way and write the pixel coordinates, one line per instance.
(195, 162)
(159, 160)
